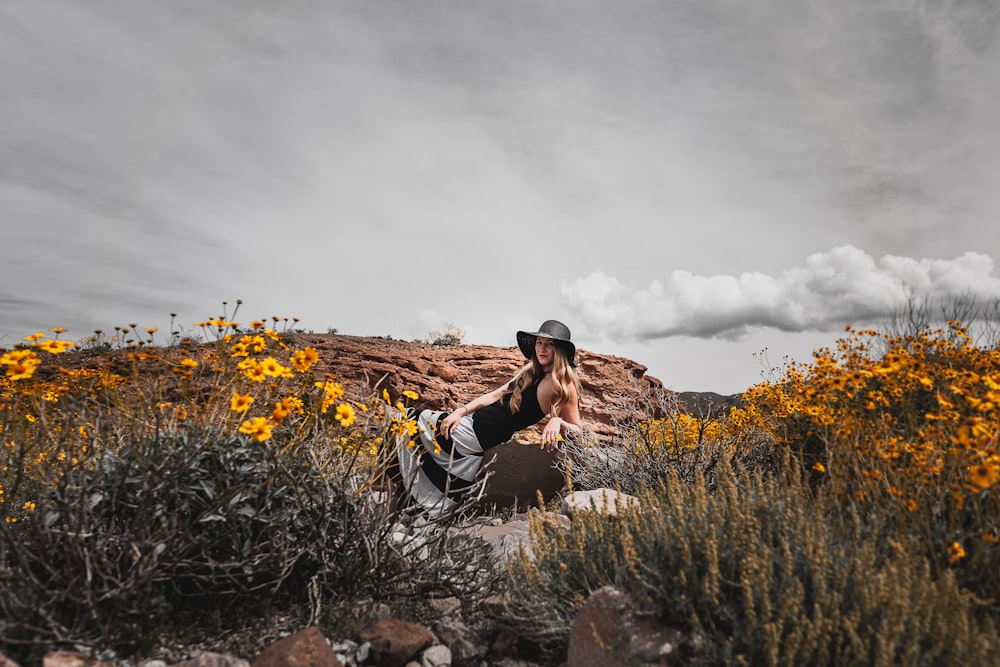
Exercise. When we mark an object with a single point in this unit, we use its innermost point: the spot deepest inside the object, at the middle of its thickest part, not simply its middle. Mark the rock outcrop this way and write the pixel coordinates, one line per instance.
(608, 631)
(447, 376)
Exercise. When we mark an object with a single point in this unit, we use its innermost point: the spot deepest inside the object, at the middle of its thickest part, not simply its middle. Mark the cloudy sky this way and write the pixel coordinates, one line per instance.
(683, 182)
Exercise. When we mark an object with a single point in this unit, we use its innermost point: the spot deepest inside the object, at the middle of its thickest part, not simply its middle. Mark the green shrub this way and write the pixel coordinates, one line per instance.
(189, 522)
(767, 571)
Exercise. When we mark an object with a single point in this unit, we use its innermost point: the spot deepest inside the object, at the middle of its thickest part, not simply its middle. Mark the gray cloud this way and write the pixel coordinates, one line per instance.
(376, 165)
(842, 286)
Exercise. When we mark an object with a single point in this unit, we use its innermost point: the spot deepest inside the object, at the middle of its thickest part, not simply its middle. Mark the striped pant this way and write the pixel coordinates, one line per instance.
(436, 471)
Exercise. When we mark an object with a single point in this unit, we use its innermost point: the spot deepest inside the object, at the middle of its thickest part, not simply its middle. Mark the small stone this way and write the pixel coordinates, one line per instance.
(209, 659)
(344, 646)
(604, 501)
(446, 606)
(364, 652)
(436, 656)
(395, 642)
(307, 648)
(607, 631)
(71, 659)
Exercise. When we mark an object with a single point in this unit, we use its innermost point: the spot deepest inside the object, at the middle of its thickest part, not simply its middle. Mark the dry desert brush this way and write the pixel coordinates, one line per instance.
(764, 571)
(658, 436)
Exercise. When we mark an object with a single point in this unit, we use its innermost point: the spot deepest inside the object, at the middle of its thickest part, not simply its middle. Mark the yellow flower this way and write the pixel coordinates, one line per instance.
(255, 373)
(345, 414)
(258, 428)
(16, 356)
(272, 368)
(333, 390)
(911, 505)
(410, 394)
(30, 506)
(303, 360)
(819, 467)
(35, 336)
(955, 552)
(189, 363)
(984, 475)
(21, 371)
(21, 364)
(54, 346)
(240, 402)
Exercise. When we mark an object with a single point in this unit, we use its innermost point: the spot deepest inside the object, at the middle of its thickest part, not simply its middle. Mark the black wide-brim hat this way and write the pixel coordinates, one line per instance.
(553, 329)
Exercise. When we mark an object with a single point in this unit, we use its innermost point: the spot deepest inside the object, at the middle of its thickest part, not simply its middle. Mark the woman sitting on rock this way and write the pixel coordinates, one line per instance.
(440, 463)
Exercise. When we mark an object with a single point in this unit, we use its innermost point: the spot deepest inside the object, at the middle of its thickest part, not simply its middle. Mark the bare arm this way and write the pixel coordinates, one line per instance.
(568, 421)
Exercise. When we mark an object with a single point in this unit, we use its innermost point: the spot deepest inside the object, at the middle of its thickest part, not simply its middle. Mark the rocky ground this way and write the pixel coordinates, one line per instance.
(605, 631)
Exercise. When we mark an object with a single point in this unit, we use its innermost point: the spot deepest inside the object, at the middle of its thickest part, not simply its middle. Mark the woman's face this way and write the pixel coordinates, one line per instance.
(545, 351)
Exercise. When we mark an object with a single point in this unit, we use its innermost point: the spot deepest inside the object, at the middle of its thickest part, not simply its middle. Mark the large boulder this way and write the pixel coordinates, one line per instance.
(518, 473)
(446, 376)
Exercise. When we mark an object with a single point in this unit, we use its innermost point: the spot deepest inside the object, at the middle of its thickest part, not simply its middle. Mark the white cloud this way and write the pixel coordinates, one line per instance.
(842, 286)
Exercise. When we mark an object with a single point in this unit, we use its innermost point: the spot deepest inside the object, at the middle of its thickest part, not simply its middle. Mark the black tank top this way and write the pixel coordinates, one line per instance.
(495, 424)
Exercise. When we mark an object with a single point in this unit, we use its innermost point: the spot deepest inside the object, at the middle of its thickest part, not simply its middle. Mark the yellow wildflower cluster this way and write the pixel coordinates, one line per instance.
(677, 432)
(912, 420)
(252, 383)
(929, 401)
(21, 363)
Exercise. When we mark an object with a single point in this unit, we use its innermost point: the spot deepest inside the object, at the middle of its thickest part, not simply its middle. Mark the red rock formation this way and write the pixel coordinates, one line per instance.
(446, 376)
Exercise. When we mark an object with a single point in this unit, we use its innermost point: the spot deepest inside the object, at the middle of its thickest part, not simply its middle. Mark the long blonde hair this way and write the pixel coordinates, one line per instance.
(563, 375)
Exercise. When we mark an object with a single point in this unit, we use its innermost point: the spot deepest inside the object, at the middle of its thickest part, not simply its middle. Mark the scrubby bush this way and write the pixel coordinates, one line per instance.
(450, 334)
(139, 540)
(765, 571)
(658, 437)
